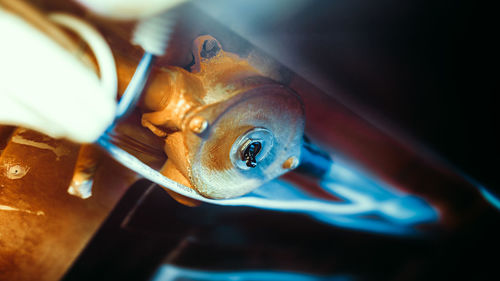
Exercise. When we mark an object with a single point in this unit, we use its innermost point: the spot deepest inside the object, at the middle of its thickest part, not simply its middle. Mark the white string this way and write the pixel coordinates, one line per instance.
(298, 206)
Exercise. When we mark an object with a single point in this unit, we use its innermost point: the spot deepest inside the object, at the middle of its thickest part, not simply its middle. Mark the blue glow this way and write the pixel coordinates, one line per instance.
(170, 272)
(488, 196)
(368, 205)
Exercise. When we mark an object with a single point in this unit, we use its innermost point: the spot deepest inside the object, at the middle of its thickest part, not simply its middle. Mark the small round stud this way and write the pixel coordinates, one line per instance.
(290, 163)
(198, 124)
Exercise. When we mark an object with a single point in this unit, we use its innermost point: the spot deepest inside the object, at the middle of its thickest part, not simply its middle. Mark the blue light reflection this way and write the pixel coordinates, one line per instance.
(170, 272)
(367, 204)
(489, 197)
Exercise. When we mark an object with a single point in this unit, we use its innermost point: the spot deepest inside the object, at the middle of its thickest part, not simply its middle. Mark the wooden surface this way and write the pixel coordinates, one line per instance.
(42, 227)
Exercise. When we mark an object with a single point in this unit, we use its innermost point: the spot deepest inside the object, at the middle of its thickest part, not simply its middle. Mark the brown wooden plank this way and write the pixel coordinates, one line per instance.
(42, 227)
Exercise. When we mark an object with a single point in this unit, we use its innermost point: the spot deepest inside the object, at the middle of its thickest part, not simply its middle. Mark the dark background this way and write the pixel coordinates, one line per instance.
(424, 71)
(140, 235)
